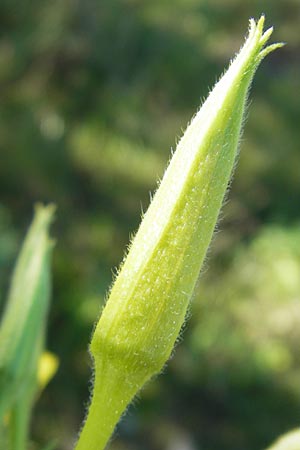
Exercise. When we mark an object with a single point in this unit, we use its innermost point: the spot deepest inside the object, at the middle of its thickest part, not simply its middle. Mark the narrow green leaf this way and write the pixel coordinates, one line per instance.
(23, 322)
(148, 302)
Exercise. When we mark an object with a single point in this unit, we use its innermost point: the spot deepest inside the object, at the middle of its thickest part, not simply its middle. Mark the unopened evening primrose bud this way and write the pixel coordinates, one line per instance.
(148, 301)
(22, 328)
(23, 321)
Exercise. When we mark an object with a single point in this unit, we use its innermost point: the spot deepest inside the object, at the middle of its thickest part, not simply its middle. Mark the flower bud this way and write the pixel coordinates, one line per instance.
(148, 301)
(24, 319)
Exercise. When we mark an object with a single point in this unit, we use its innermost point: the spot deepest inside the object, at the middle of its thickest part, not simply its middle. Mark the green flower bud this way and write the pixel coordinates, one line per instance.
(23, 322)
(148, 301)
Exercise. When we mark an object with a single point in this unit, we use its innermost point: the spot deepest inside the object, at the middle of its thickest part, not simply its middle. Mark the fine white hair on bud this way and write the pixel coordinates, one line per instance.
(148, 301)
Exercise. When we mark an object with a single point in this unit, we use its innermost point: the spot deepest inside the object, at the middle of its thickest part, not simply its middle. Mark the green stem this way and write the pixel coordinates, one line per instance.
(19, 422)
(107, 404)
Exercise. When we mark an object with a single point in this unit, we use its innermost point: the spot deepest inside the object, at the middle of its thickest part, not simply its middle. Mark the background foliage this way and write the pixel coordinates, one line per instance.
(92, 95)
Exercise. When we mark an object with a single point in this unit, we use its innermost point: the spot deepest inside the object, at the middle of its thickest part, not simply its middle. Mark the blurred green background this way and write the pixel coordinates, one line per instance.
(93, 96)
